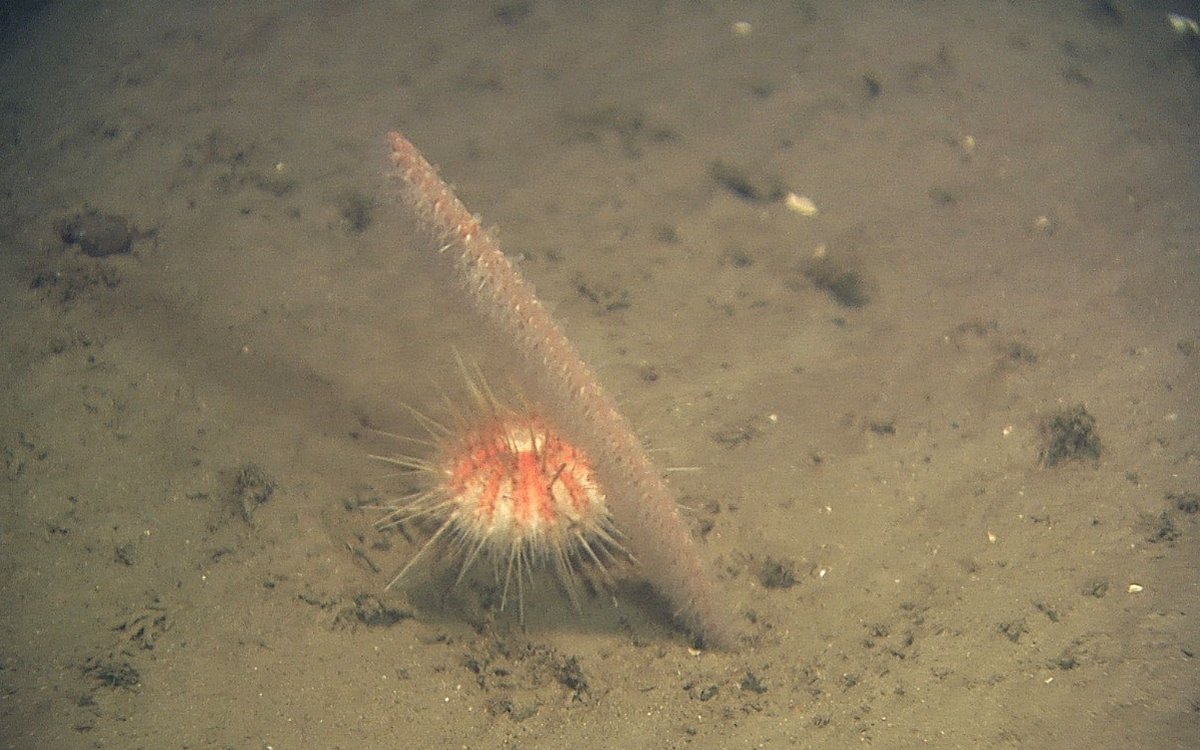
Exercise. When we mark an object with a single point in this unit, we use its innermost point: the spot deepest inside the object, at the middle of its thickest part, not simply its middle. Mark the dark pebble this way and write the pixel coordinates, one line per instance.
(98, 235)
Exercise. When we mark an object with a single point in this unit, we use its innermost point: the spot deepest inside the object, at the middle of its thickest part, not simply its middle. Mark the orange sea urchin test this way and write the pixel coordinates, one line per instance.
(511, 490)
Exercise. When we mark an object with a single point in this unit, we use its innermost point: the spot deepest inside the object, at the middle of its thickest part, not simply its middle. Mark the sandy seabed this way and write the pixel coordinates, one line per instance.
(214, 301)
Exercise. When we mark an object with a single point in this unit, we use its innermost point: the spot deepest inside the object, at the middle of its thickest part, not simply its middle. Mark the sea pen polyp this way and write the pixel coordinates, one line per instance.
(641, 504)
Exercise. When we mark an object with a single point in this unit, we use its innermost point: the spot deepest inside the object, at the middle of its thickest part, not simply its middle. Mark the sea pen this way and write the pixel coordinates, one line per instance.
(641, 504)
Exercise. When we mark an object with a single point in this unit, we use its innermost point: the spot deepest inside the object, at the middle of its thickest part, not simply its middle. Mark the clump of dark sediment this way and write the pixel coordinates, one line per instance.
(846, 285)
(97, 234)
(1069, 435)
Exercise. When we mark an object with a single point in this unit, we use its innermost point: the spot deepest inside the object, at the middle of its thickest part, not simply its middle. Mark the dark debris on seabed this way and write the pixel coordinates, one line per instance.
(1069, 435)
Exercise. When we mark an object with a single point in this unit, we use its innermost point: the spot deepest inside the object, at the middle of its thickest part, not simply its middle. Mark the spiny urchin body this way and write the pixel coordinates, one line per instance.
(506, 487)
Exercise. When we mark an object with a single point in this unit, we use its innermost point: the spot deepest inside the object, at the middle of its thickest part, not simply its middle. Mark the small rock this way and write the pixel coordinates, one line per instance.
(98, 235)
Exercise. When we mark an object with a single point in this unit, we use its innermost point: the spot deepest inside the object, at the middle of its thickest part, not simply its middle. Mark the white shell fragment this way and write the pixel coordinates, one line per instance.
(1135, 588)
(801, 204)
(1044, 224)
(1183, 24)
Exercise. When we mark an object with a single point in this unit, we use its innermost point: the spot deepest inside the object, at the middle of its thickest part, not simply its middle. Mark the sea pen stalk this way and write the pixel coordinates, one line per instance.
(641, 504)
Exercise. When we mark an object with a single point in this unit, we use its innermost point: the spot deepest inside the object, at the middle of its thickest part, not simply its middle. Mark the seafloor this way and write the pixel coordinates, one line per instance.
(937, 441)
